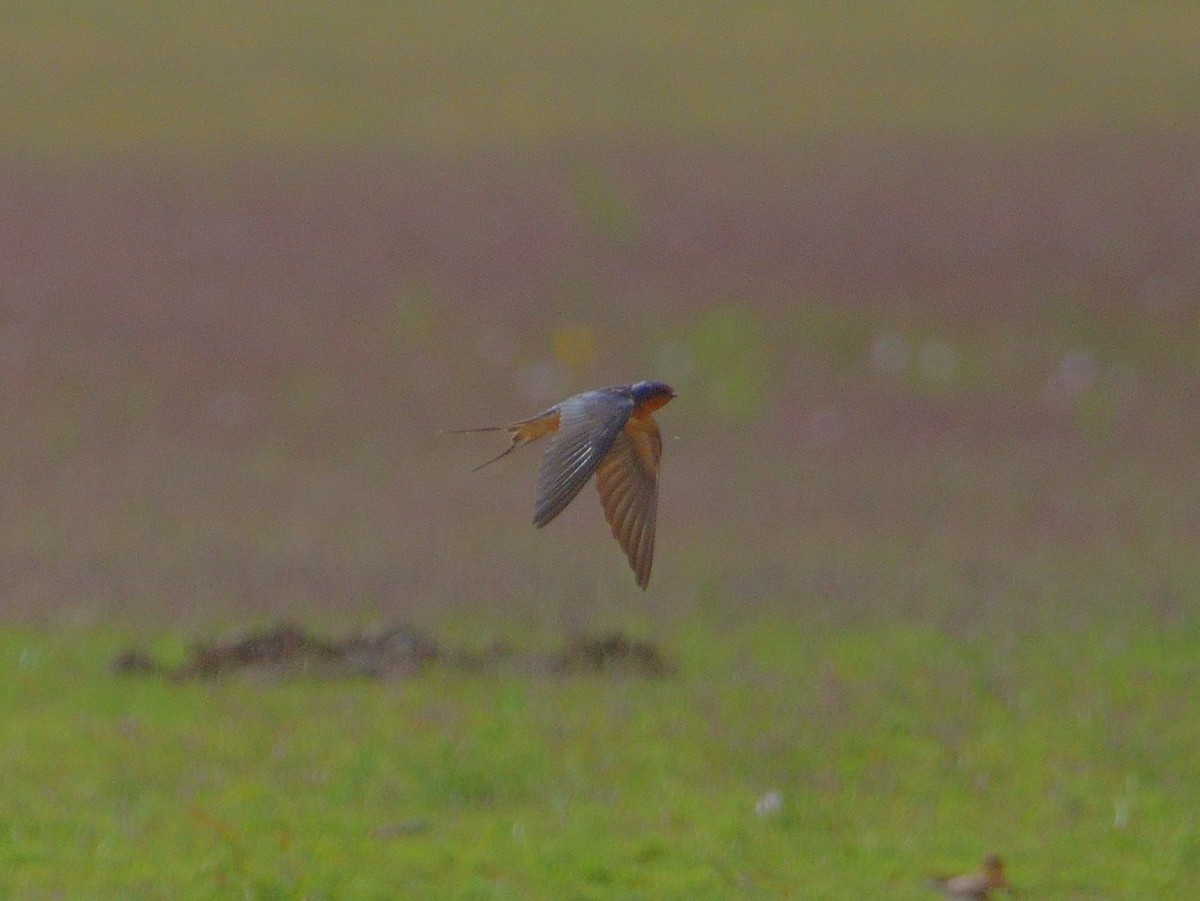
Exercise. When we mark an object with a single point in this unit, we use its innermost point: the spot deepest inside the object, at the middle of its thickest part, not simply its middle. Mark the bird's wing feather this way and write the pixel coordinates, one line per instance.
(627, 481)
(587, 426)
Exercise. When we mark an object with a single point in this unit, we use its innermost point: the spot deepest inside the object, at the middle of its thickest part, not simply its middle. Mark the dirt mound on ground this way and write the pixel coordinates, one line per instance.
(287, 650)
(612, 653)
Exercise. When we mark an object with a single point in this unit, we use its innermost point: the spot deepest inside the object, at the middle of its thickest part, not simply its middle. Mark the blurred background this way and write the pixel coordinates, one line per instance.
(924, 276)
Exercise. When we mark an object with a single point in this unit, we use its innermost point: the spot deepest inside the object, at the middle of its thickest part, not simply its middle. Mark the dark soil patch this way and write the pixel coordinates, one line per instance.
(289, 651)
(611, 653)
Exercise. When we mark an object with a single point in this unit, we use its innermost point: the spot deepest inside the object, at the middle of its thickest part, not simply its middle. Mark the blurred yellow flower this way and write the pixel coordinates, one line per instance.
(574, 346)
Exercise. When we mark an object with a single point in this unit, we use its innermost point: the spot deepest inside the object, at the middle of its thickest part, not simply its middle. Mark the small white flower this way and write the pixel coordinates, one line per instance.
(1077, 372)
(768, 804)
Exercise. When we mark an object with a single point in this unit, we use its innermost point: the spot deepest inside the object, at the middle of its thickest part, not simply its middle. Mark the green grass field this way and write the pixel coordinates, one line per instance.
(925, 280)
(895, 752)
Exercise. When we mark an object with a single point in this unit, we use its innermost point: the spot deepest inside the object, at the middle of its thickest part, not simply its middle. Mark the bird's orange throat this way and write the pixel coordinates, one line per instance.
(648, 406)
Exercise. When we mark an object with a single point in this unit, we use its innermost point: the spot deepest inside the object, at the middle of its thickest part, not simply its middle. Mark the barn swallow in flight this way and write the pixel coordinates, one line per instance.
(975, 886)
(611, 433)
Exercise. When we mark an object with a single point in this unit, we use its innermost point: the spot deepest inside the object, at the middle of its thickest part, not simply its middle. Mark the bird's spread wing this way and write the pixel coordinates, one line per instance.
(587, 426)
(627, 480)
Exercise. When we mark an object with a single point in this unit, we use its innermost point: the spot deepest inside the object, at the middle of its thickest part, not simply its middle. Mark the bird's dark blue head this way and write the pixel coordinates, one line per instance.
(651, 395)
